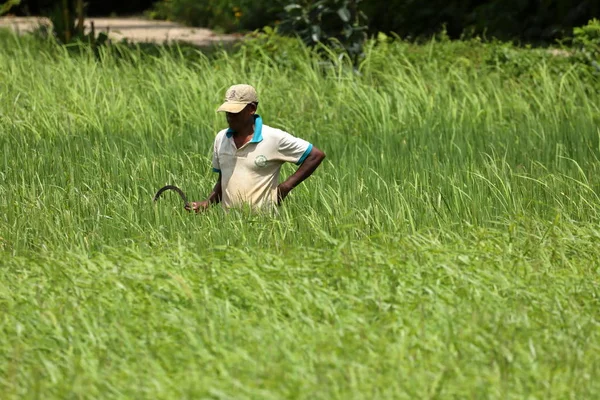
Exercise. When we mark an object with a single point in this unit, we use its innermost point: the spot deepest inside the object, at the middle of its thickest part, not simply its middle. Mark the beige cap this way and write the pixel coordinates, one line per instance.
(237, 98)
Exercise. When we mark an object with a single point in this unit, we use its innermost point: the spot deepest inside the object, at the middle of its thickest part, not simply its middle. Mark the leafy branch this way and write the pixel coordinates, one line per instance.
(5, 7)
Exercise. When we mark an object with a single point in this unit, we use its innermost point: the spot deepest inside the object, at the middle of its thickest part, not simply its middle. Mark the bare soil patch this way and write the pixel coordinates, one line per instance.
(135, 30)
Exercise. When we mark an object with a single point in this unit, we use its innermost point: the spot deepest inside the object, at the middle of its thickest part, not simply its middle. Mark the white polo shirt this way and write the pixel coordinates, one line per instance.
(250, 174)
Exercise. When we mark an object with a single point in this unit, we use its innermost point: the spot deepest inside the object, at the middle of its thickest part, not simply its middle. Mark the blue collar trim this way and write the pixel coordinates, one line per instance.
(257, 137)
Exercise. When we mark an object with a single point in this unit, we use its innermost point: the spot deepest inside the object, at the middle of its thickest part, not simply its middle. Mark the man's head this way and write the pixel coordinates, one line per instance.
(238, 97)
(240, 105)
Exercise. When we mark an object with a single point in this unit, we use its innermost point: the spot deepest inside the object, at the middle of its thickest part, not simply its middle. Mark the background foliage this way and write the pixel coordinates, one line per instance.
(527, 20)
(334, 22)
(226, 15)
(524, 20)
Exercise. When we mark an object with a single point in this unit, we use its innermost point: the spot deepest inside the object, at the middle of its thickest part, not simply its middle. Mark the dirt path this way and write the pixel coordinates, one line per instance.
(132, 29)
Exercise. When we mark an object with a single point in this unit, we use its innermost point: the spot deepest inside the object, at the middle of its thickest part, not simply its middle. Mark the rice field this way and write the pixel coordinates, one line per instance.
(448, 246)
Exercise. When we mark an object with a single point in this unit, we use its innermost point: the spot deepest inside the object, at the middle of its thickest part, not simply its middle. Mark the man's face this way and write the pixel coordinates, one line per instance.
(241, 120)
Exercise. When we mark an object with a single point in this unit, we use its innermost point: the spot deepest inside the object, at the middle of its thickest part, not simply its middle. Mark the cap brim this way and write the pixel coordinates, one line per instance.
(232, 107)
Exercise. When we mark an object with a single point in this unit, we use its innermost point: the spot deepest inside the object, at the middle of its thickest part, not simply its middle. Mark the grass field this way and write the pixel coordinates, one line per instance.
(448, 247)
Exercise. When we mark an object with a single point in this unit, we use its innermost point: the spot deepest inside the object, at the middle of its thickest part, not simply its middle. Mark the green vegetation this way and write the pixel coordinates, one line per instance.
(587, 39)
(447, 248)
(223, 15)
(337, 23)
(6, 6)
(521, 20)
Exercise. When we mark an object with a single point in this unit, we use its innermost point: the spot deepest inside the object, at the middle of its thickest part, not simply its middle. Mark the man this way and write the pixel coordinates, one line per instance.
(248, 157)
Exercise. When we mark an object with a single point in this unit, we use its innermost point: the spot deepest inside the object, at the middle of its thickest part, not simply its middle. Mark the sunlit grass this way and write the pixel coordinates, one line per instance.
(447, 247)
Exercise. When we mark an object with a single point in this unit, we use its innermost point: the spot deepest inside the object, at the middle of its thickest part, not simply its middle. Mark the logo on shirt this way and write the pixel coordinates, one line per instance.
(260, 161)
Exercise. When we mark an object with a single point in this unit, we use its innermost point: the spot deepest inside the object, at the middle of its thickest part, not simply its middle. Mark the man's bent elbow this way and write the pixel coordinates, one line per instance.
(318, 154)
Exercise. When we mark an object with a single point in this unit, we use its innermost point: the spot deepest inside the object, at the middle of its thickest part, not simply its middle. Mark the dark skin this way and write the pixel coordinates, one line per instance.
(243, 125)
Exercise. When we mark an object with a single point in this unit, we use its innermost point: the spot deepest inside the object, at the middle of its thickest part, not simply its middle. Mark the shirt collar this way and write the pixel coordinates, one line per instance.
(257, 137)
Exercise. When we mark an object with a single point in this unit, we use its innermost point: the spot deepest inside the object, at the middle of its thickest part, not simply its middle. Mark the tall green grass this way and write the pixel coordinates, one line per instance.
(447, 247)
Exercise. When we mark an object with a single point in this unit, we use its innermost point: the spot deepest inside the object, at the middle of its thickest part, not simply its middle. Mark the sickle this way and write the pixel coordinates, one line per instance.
(172, 187)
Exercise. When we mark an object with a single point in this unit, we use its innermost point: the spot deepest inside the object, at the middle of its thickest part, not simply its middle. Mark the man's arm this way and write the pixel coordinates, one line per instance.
(213, 198)
(305, 170)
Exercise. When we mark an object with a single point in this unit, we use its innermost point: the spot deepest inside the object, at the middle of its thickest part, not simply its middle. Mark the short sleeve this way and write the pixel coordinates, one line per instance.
(293, 149)
(216, 167)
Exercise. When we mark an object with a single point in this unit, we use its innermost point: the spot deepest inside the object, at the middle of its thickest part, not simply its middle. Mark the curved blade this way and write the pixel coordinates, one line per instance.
(174, 188)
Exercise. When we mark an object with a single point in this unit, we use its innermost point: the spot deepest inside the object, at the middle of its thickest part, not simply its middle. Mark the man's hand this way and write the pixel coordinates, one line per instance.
(282, 191)
(214, 198)
(197, 206)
